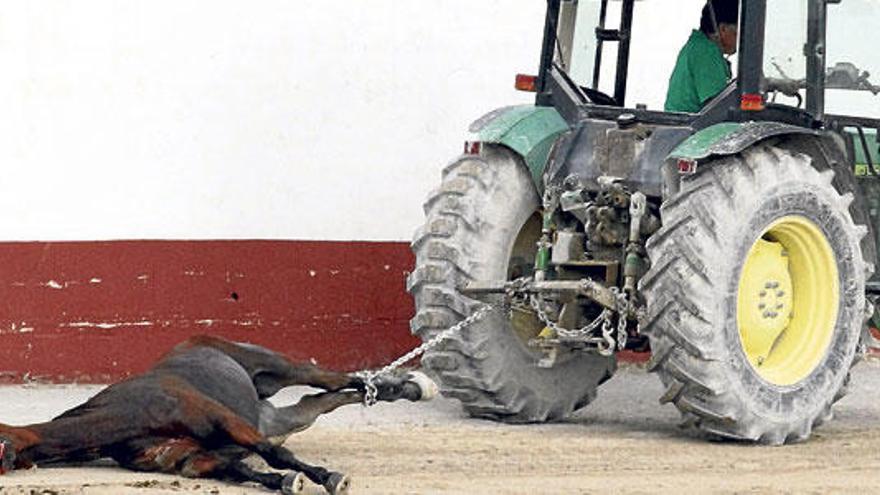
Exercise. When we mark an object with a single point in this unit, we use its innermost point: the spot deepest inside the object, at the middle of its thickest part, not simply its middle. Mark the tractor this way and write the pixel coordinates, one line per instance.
(736, 243)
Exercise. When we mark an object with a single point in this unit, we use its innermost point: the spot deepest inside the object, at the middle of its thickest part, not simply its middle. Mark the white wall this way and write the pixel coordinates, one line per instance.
(233, 119)
(191, 119)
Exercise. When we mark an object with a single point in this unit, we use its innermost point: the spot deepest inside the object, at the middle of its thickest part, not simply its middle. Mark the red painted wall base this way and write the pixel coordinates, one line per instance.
(100, 311)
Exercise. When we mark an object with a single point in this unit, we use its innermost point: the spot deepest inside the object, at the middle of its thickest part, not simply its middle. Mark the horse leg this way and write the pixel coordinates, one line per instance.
(281, 458)
(412, 386)
(271, 371)
(215, 421)
(189, 458)
(242, 473)
(280, 423)
(239, 472)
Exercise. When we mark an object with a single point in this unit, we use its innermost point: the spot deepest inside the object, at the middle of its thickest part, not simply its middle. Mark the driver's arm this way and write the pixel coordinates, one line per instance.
(710, 74)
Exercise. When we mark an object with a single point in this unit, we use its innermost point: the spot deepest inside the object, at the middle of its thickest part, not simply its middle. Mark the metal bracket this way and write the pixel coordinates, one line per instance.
(564, 288)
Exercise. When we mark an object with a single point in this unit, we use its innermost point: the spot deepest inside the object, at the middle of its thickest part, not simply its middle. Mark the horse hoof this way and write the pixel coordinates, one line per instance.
(426, 385)
(337, 484)
(293, 483)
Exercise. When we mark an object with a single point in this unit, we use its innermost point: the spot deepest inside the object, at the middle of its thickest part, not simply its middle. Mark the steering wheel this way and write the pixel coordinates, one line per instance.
(599, 98)
(788, 87)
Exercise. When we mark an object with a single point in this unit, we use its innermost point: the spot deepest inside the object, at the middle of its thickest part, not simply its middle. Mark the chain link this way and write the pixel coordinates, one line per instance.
(607, 347)
(605, 344)
(371, 393)
(563, 332)
(623, 306)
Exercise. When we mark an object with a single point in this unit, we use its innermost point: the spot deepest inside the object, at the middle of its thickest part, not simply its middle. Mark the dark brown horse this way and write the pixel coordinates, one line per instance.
(199, 412)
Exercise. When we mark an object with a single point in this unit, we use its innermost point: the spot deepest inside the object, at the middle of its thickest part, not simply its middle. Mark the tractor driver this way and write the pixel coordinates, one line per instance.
(701, 71)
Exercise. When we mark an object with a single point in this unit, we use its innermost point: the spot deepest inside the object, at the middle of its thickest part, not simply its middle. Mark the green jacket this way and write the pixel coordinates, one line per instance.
(701, 72)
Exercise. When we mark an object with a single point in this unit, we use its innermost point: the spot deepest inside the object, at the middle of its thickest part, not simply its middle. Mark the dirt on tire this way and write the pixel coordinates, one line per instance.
(695, 326)
(482, 224)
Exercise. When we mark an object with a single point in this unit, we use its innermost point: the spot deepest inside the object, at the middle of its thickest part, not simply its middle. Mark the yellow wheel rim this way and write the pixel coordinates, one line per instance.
(787, 300)
(521, 262)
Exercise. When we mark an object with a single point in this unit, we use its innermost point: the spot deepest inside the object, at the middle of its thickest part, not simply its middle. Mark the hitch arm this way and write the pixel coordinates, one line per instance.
(566, 288)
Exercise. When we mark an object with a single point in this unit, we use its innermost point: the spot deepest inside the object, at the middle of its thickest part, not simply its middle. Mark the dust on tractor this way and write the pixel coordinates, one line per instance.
(736, 243)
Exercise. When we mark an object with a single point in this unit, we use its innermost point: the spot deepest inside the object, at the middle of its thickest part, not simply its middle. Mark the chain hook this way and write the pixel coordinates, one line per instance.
(371, 392)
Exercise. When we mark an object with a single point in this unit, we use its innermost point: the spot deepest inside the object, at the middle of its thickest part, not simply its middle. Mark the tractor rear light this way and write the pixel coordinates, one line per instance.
(687, 166)
(472, 147)
(750, 102)
(527, 83)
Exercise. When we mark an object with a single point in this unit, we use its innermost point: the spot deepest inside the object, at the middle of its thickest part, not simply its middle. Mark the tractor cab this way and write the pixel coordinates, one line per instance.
(793, 53)
(797, 64)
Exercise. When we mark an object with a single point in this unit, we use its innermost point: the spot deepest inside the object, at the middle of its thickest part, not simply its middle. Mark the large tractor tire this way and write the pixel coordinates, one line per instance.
(756, 296)
(483, 224)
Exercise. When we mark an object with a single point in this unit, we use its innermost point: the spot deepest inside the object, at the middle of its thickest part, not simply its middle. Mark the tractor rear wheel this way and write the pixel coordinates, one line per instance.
(756, 296)
(483, 224)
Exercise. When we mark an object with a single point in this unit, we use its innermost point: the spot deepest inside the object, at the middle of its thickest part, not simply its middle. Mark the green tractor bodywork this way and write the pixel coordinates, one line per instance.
(861, 157)
(531, 132)
(528, 130)
(727, 138)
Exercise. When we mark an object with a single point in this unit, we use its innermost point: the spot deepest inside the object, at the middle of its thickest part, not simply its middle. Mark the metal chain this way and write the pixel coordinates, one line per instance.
(605, 344)
(607, 347)
(623, 306)
(371, 393)
(563, 332)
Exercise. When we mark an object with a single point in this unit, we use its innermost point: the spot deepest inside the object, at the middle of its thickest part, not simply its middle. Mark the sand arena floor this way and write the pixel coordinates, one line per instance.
(625, 442)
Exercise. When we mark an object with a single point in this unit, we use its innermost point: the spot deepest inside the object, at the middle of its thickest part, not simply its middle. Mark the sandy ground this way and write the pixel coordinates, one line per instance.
(623, 443)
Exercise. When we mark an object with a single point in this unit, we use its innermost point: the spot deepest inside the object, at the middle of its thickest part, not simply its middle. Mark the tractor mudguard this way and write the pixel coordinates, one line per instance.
(861, 158)
(729, 138)
(528, 130)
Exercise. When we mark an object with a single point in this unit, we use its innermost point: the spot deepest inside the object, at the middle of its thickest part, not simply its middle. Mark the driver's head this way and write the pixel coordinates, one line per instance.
(726, 19)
